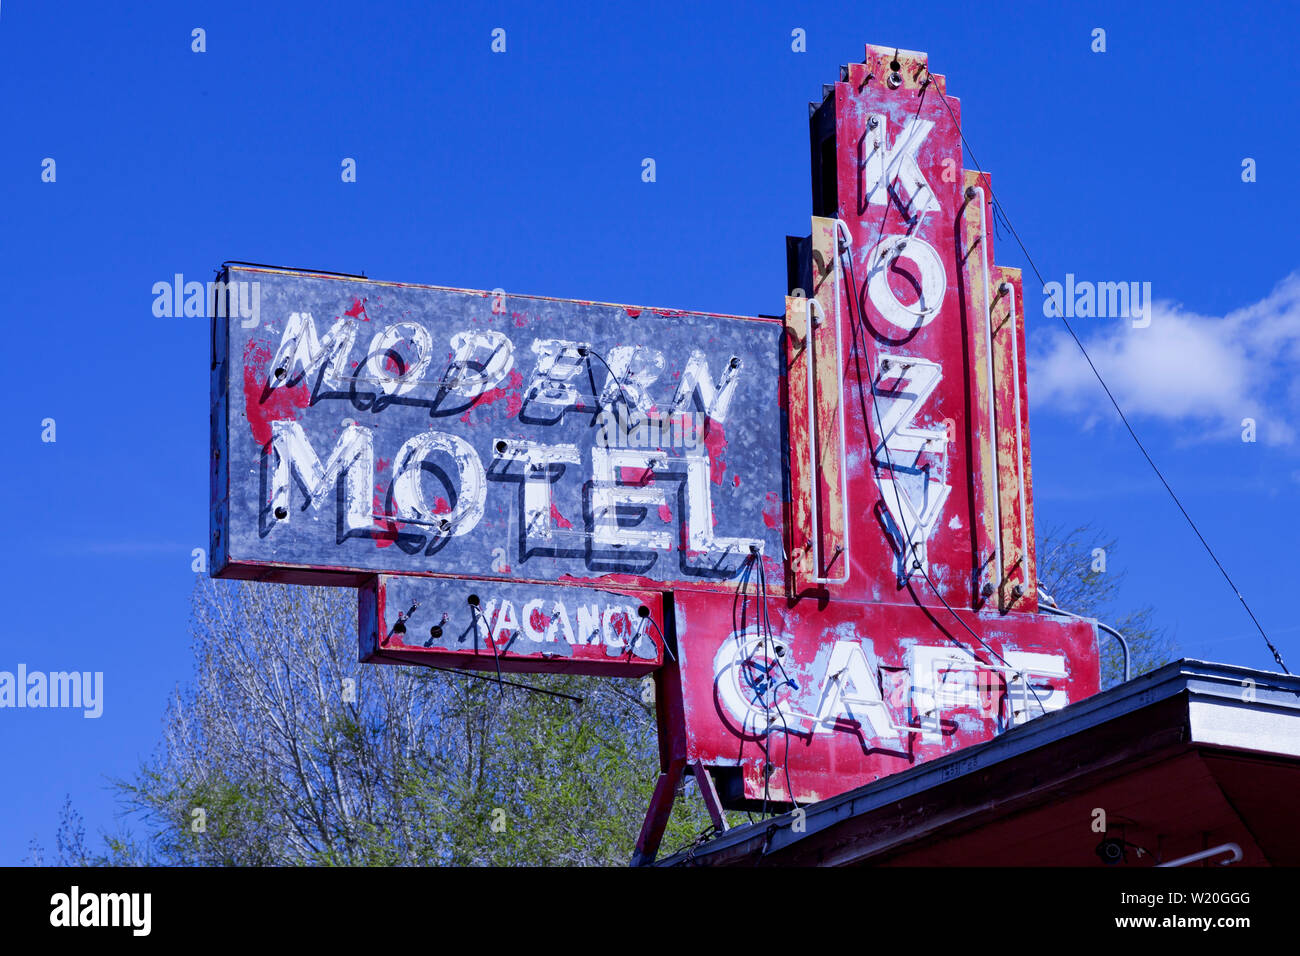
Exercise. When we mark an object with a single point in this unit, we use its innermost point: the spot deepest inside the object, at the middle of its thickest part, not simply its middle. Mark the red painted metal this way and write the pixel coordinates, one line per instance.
(905, 627)
(857, 691)
(656, 818)
(510, 627)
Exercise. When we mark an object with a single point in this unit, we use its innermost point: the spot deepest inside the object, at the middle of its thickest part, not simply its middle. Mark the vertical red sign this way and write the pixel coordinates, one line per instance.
(906, 626)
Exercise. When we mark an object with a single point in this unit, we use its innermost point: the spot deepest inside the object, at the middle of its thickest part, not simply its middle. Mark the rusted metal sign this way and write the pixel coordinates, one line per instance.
(905, 626)
(511, 626)
(369, 427)
(364, 427)
(816, 531)
(786, 702)
(911, 360)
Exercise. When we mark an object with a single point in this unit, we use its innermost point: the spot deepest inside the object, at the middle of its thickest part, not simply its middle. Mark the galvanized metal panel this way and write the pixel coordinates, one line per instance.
(487, 446)
(513, 627)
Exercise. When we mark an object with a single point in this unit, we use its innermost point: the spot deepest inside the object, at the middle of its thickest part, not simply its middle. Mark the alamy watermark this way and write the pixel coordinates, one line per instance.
(1102, 300)
(128, 910)
(37, 689)
(180, 299)
(634, 428)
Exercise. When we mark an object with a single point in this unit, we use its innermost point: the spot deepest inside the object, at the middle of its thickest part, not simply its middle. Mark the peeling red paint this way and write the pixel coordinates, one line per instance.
(665, 514)
(559, 519)
(636, 476)
(604, 580)
(772, 510)
(515, 400)
(358, 310)
(511, 392)
(715, 440)
(279, 404)
(385, 525)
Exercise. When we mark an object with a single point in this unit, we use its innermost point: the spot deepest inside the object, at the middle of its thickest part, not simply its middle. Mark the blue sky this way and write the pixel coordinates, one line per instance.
(522, 171)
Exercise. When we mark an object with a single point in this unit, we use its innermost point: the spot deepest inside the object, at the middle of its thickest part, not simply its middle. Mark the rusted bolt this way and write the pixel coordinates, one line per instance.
(1004, 287)
(501, 447)
(895, 80)
(472, 600)
(987, 590)
(873, 122)
(282, 512)
(435, 631)
(1017, 591)
(970, 192)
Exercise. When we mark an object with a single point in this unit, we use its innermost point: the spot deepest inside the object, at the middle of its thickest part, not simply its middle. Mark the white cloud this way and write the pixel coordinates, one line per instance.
(1205, 373)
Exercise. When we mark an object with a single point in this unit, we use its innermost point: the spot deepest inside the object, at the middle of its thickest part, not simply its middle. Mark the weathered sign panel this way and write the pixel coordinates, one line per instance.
(364, 427)
(912, 361)
(487, 625)
(854, 692)
(907, 627)
(816, 531)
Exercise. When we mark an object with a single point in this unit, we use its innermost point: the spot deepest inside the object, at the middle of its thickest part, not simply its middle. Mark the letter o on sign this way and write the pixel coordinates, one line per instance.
(402, 378)
(933, 281)
(408, 495)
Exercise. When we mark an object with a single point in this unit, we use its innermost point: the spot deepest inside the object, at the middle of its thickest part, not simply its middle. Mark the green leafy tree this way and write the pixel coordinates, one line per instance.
(271, 757)
(1076, 567)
